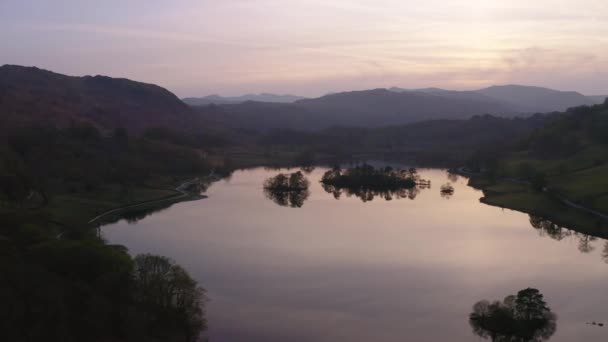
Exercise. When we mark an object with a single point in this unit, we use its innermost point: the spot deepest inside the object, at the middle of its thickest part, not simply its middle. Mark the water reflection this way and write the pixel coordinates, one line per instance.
(557, 232)
(351, 271)
(367, 195)
(446, 191)
(293, 199)
(307, 169)
(453, 177)
(521, 318)
(366, 182)
(287, 190)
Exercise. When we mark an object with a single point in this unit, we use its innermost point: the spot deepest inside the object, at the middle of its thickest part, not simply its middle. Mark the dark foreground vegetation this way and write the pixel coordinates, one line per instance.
(60, 281)
(64, 289)
(521, 318)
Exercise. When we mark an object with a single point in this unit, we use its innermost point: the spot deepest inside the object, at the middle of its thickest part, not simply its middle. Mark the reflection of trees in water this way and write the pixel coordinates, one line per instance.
(135, 215)
(366, 182)
(557, 232)
(307, 169)
(287, 189)
(446, 191)
(367, 195)
(605, 252)
(294, 199)
(521, 318)
(452, 177)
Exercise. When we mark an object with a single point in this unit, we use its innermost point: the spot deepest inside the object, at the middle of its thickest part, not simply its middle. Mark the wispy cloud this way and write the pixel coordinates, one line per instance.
(213, 45)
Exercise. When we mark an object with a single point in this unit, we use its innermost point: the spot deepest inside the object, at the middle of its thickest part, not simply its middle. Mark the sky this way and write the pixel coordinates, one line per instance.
(312, 47)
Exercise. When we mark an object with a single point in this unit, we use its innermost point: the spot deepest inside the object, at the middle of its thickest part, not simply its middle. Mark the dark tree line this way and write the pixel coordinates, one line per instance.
(366, 182)
(287, 189)
(80, 159)
(65, 290)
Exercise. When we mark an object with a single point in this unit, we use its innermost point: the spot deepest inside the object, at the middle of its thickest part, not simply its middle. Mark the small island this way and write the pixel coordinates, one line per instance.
(287, 189)
(521, 317)
(366, 182)
(446, 190)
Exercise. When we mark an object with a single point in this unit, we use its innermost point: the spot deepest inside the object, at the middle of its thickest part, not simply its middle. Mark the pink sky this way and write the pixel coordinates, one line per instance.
(312, 47)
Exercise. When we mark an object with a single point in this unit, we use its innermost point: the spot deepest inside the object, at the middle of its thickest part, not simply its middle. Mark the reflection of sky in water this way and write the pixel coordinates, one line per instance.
(344, 270)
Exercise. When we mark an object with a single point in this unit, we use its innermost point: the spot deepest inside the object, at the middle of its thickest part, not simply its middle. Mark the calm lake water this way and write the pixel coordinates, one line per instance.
(348, 270)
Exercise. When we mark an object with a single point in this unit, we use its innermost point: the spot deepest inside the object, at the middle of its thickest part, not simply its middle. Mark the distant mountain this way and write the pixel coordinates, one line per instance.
(31, 95)
(523, 99)
(536, 99)
(598, 99)
(264, 97)
(397, 106)
(463, 95)
(367, 108)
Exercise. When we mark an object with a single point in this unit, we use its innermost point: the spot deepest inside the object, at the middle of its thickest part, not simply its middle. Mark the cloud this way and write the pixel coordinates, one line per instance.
(145, 34)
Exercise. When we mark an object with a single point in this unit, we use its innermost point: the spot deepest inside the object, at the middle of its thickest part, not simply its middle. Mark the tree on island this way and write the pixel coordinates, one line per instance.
(287, 182)
(446, 190)
(522, 318)
(287, 189)
(367, 182)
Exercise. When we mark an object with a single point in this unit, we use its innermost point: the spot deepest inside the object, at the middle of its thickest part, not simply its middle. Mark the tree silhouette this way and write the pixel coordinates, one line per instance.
(557, 232)
(521, 318)
(287, 189)
(446, 191)
(171, 302)
(453, 177)
(367, 183)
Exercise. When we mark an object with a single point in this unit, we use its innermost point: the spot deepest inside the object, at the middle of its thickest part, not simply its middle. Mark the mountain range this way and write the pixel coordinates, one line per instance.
(264, 97)
(523, 99)
(31, 95)
(394, 106)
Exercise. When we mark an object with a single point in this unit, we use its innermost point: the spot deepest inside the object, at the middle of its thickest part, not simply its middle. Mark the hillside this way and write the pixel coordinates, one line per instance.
(264, 97)
(446, 143)
(368, 108)
(31, 95)
(394, 106)
(536, 99)
(523, 99)
(463, 95)
(566, 159)
(598, 99)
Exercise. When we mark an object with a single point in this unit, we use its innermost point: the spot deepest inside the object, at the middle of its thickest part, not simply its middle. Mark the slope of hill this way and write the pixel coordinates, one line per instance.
(395, 106)
(564, 163)
(536, 99)
(31, 95)
(463, 95)
(445, 143)
(368, 108)
(523, 99)
(264, 97)
(598, 99)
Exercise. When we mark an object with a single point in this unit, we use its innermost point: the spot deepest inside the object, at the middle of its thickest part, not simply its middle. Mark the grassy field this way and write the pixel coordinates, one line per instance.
(77, 210)
(522, 198)
(581, 177)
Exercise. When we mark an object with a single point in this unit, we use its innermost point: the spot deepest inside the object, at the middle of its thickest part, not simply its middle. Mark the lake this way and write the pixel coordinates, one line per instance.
(381, 270)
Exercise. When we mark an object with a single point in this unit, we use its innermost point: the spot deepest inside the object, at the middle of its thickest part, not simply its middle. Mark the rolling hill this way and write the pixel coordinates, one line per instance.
(264, 97)
(523, 99)
(536, 99)
(31, 95)
(368, 108)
